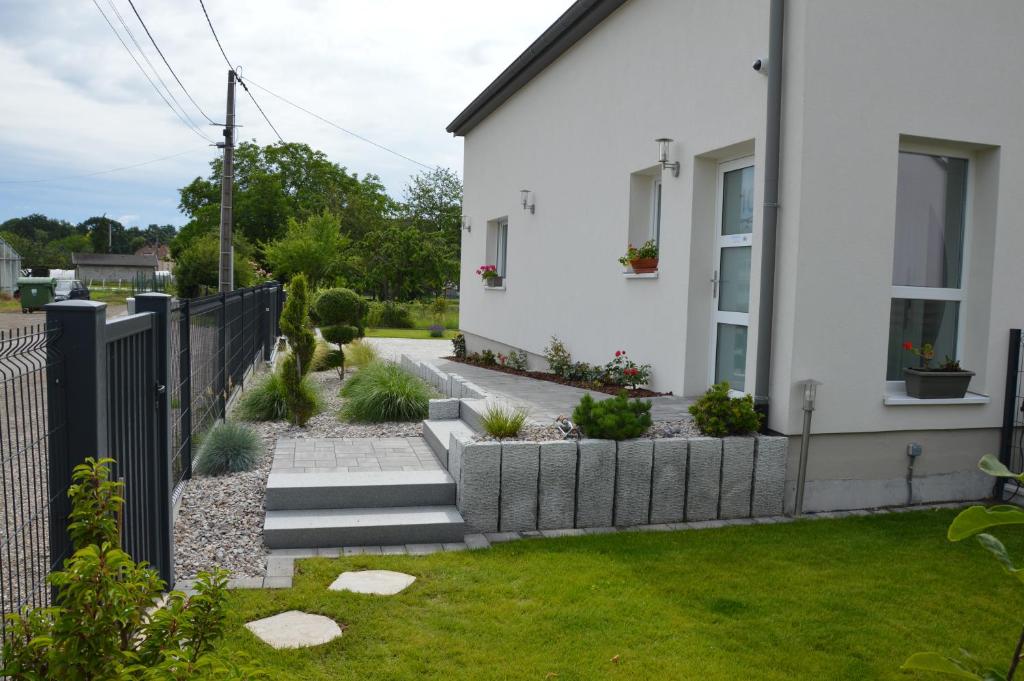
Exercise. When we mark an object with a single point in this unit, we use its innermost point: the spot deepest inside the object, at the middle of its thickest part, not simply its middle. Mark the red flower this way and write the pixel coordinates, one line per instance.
(618, 353)
(908, 346)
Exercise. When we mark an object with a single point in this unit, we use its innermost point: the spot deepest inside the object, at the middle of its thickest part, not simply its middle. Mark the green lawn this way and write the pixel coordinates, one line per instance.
(819, 600)
(406, 333)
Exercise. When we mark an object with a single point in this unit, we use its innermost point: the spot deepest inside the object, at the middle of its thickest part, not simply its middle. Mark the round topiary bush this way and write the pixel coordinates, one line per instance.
(229, 447)
(340, 334)
(335, 306)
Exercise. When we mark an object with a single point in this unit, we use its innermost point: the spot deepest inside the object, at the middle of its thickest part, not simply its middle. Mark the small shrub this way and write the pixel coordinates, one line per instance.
(299, 401)
(503, 422)
(517, 360)
(583, 372)
(621, 370)
(389, 316)
(339, 306)
(459, 346)
(265, 401)
(617, 418)
(342, 334)
(360, 353)
(558, 357)
(438, 309)
(717, 414)
(383, 391)
(229, 447)
(436, 331)
(488, 358)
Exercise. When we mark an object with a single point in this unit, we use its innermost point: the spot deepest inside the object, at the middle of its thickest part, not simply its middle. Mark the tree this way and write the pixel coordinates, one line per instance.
(296, 326)
(401, 262)
(313, 247)
(197, 268)
(37, 227)
(433, 203)
(106, 235)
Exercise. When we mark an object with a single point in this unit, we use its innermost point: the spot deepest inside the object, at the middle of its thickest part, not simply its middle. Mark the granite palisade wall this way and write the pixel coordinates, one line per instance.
(520, 486)
(449, 385)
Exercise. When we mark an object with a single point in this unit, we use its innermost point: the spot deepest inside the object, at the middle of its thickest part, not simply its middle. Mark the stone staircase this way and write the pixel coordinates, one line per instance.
(336, 509)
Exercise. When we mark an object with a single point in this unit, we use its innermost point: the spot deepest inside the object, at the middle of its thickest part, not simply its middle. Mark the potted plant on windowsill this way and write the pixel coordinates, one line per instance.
(489, 275)
(643, 260)
(926, 382)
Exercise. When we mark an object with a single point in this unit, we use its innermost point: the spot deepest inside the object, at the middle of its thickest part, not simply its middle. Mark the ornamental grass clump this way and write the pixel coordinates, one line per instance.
(617, 418)
(501, 421)
(229, 447)
(266, 400)
(717, 414)
(359, 353)
(383, 391)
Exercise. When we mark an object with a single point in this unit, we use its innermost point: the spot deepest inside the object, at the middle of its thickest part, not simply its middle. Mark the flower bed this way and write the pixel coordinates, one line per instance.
(553, 378)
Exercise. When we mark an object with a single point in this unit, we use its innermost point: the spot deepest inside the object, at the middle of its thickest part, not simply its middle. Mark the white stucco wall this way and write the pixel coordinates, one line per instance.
(859, 78)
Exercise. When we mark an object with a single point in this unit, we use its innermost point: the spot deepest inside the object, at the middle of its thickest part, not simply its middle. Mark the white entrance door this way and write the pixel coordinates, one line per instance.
(734, 223)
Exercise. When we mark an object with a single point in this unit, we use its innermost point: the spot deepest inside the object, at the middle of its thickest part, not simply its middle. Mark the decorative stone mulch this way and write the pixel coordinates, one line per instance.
(220, 520)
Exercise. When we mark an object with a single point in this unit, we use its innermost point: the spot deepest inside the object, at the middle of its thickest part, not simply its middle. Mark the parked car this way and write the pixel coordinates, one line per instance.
(70, 289)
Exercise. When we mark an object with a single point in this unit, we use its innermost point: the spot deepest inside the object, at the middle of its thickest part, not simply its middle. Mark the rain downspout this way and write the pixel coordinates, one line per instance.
(773, 133)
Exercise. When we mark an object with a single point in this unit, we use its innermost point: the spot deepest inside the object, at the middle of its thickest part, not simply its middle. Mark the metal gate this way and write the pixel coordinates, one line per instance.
(1011, 449)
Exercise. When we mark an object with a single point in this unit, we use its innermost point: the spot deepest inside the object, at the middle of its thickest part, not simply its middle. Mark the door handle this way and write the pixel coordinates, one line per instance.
(714, 285)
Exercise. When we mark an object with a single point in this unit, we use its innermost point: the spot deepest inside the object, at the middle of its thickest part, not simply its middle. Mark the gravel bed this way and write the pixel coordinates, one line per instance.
(661, 429)
(220, 520)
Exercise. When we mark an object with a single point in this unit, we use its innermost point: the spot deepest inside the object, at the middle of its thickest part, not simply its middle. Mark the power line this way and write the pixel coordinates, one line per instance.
(345, 130)
(160, 52)
(104, 172)
(191, 126)
(156, 72)
(238, 75)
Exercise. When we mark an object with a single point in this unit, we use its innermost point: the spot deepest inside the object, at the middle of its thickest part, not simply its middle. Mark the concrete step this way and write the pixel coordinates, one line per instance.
(438, 434)
(299, 491)
(363, 527)
(472, 412)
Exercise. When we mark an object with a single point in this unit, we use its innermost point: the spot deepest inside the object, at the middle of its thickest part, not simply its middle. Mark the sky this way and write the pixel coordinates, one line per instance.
(394, 71)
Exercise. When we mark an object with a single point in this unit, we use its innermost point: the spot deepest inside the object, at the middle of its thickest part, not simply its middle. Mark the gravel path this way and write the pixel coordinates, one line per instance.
(220, 520)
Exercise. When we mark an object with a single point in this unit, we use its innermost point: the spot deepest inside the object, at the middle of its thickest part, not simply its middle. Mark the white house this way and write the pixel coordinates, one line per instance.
(860, 189)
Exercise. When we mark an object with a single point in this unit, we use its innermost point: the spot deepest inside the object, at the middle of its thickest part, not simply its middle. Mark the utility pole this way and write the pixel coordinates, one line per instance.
(227, 179)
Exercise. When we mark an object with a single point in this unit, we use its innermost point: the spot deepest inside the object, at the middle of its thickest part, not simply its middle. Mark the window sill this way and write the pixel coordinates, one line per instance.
(494, 288)
(898, 397)
(645, 275)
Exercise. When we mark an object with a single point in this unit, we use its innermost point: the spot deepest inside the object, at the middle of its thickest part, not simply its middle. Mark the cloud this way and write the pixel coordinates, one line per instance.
(396, 71)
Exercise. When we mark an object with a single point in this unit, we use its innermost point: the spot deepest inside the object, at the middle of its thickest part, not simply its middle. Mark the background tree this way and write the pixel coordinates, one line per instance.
(107, 235)
(433, 204)
(197, 268)
(313, 247)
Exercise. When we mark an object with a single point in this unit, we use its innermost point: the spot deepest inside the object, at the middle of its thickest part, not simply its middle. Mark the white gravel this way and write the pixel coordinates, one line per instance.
(220, 520)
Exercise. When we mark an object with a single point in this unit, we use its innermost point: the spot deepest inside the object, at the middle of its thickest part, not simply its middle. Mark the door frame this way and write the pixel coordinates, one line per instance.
(718, 243)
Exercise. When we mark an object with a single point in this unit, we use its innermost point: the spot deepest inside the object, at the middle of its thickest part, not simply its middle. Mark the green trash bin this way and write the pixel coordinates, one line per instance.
(34, 292)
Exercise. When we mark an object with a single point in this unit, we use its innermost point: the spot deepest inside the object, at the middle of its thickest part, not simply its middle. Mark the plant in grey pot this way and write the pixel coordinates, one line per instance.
(926, 382)
(490, 276)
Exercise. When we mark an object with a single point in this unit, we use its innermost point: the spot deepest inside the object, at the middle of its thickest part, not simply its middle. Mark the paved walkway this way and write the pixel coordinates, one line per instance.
(543, 400)
(353, 455)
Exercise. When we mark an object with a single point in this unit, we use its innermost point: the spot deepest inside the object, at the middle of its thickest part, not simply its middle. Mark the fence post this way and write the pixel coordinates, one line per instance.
(222, 337)
(185, 385)
(160, 305)
(269, 300)
(1013, 368)
(79, 391)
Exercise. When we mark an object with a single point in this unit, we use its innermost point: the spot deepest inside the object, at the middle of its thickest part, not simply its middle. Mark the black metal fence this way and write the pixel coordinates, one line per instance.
(138, 389)
(1011, 449)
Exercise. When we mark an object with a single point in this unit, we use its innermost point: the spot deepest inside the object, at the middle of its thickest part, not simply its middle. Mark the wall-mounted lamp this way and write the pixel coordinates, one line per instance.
(467, 224)
(663, 143)
(528, 201)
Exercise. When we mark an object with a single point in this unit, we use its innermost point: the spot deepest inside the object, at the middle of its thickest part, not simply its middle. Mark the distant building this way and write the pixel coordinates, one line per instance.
(10, 268)
(112, 267)
(162, 253)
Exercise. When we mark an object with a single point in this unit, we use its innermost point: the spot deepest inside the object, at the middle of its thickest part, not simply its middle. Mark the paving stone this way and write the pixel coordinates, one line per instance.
(531, 534)
(633, 462)
(294, 553)
(277, 582)
(520, 462)
(295, 629)
(246, 583)
(424, 549)
(706, 524)
(452, 548)
(596, 483)
(704, 473)
(477, 541)
(600, 530)
(737, 476)
(769, 476)
(500, 537)
(668, 480)
(659, 527)
(377, 582)
(329, 552)
(280, 566)
(557, 486)
(568, 532)
(479, 485)
(398, 550)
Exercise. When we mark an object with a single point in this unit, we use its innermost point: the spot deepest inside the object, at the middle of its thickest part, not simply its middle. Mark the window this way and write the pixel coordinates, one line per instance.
(645, 207)
(497, 245)
(655, 233)
(928, 262)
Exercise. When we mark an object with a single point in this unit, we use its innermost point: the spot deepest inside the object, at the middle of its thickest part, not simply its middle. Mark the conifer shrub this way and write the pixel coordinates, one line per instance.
(295, 324)
(617, 418)
(717, 414)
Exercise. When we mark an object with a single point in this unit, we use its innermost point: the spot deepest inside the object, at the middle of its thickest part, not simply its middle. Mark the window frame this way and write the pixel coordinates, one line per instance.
(501, 247)
(957, 295)
(657, 199)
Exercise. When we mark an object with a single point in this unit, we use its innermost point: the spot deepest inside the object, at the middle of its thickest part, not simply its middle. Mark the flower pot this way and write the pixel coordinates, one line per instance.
(644, 265)
(936, 385)
(493, 282)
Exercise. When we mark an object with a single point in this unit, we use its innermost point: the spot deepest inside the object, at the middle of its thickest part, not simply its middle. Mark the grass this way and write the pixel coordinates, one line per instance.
(359, 353)
(406, 333)
(383, 391)
(503, 421)
(841, 600)
(265, 400)
(229, 447)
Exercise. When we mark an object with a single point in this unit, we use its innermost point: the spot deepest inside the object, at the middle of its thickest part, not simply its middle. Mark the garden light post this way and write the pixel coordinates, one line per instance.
(810, 387)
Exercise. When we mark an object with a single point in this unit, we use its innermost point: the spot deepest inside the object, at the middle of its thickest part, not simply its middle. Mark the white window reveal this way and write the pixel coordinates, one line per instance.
(501, 250)
(928, 279)
(655, 231)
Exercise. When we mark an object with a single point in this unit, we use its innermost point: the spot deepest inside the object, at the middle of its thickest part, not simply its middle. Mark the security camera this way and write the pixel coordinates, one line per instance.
(760, 65)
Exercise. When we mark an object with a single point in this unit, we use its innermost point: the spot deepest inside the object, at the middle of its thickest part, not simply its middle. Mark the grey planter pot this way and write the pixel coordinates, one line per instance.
(936, 385)
(493, 282)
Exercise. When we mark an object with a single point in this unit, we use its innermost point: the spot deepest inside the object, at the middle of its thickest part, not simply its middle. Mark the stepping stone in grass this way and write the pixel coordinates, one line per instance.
(379, 582)
(295, 629)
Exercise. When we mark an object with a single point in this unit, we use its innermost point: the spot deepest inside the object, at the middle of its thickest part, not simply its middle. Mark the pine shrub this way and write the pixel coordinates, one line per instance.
(383, 391)
(617, 418)
(717, 414)
(229, 447)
